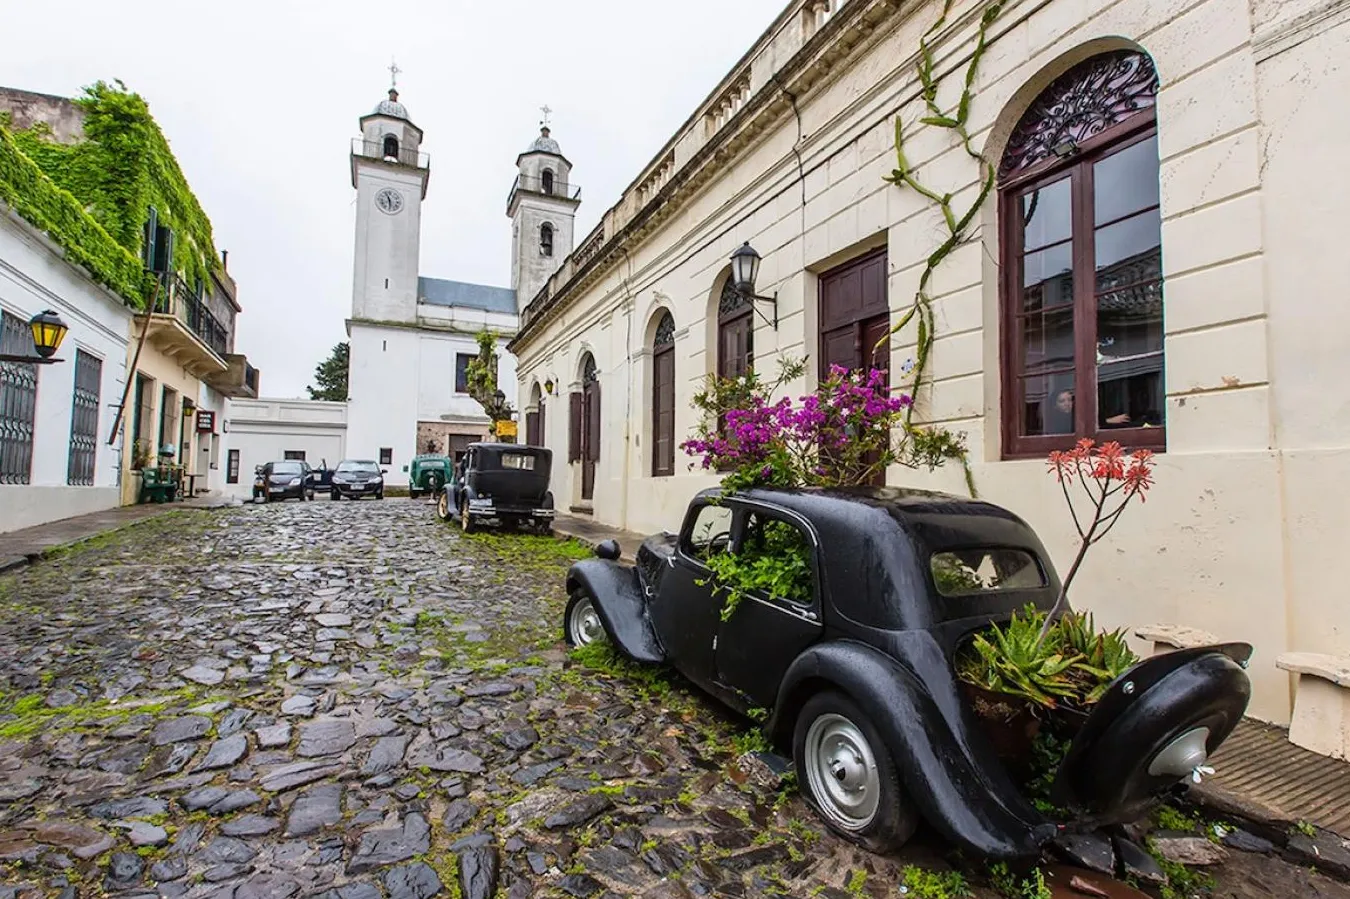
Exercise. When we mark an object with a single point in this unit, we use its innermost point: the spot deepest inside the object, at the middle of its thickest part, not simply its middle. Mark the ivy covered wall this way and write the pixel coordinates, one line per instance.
(122, 168)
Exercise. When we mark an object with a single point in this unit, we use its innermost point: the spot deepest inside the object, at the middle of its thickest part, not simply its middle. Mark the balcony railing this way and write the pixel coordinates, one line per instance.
(188, 306)
(374, 149)
(549, 187)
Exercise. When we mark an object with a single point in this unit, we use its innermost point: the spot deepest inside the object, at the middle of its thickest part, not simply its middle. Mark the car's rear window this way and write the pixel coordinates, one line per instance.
(518, 461)
(967, 571)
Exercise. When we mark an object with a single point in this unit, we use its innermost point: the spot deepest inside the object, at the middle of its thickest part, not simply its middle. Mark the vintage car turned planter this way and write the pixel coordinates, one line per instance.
(428, 474)
(502, 482)
(857, 670)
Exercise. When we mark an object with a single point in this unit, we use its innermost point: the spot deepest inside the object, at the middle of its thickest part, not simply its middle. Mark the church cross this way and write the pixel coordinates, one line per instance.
(545, 110)
(393, 73)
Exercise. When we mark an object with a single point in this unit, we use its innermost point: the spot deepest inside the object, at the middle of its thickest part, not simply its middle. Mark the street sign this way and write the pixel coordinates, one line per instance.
(506, 428)
(206, 421)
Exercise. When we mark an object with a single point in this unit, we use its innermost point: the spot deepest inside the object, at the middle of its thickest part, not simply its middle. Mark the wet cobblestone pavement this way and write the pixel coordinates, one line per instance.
(353, 701)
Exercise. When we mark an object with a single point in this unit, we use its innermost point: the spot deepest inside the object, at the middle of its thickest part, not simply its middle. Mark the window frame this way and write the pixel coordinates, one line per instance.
(663, 466)
(744, 311)
(232, 466)
(386, 455)
(86, 394)
(546, 235)
(1078, 168)
(468, 357)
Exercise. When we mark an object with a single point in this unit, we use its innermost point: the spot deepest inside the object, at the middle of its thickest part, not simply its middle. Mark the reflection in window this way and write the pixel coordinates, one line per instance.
(518, 461)
(710, 532)
(1083, 302)
(967, 571)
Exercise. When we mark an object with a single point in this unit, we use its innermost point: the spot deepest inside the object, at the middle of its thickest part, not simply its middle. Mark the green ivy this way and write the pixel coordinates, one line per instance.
(122, 168)
(26, 189)
(957, 221)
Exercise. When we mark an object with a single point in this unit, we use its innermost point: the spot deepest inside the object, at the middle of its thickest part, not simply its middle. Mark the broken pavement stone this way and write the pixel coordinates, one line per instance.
(578, 812)
(1088, 850)
(179, 730)
(1192, 851)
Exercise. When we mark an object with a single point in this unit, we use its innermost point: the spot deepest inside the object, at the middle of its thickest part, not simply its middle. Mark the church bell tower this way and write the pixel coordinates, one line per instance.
(390, 175)
(542, 206)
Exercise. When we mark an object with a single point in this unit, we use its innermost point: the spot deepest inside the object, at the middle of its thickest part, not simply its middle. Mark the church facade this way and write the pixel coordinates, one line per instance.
(1149, 264)
(412, 336)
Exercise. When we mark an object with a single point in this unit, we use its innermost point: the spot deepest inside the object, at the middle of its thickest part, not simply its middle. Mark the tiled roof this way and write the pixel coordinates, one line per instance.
(440, 292)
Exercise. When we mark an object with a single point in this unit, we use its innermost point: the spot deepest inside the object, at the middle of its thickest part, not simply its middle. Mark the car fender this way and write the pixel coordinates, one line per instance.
(620, 602)
(965, 799)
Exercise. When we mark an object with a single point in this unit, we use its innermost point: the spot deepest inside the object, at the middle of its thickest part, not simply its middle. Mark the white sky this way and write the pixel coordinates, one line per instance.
(259, 101)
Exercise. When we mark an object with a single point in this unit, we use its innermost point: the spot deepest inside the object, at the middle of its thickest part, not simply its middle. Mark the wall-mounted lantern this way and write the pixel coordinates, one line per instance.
(48, 332)
(744, 271)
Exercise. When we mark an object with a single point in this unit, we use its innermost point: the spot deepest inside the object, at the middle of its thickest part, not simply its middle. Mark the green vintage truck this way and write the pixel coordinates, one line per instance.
(427, 474)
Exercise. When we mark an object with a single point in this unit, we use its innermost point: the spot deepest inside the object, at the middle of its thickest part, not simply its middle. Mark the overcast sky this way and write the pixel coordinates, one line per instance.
(259, 101)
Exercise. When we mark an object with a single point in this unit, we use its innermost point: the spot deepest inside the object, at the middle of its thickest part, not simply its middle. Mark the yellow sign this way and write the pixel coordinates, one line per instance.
(506, 428)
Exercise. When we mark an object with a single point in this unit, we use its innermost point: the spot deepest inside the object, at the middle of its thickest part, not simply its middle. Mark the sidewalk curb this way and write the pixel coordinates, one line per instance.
(15, 563)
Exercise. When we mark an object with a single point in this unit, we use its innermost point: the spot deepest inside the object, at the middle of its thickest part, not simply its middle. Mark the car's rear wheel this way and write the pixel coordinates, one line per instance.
(582, 622)
(849, 775)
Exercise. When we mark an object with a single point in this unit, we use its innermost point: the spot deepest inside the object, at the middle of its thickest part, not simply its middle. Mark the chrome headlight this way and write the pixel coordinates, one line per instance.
(295, 482)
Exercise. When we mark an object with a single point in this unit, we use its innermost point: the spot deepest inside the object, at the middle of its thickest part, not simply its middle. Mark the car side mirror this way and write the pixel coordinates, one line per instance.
(608, 549)
(386, 471)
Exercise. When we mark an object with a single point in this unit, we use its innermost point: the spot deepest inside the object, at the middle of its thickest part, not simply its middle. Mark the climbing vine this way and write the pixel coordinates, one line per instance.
(39, 201)
(957, 222)
(122, 168)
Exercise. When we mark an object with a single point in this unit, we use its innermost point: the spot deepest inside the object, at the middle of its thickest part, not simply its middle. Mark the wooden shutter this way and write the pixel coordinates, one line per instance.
(574, 428)
(148, 239)
(593, 422)
(663, 414)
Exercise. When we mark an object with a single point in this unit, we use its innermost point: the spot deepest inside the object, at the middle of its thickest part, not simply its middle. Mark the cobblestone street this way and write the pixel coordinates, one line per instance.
(353, 700)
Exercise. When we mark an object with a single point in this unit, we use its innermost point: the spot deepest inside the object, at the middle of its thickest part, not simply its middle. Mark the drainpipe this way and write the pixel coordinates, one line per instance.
(628, 394)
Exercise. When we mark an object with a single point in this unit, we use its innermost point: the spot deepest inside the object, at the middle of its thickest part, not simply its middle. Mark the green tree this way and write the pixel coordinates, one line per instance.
(482, 374)
(331, 375)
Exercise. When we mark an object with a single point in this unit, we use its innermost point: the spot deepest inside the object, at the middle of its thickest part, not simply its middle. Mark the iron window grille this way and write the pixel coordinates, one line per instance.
(84, 420)
(18, 402)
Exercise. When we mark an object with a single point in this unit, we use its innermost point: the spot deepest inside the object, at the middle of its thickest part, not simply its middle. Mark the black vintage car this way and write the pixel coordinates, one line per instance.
(282, 480)
(857, 668)
(502, 482)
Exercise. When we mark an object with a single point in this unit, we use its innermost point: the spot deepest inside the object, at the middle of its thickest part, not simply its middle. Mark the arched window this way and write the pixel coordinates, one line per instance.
(663, 397)
(546, 239)
(735, 332)
(1082, 294)
(547, 179)
(390, 146)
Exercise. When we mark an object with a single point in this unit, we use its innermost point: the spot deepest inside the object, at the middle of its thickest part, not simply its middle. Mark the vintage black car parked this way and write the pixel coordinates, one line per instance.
(505, 482)
(282, 480)
(859, 674)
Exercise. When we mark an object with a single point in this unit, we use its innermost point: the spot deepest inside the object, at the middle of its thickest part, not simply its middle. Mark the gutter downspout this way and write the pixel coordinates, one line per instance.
(628, 392)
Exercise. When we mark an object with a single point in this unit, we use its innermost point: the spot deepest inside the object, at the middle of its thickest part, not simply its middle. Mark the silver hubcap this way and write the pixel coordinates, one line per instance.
(842, 771)
(585, 624)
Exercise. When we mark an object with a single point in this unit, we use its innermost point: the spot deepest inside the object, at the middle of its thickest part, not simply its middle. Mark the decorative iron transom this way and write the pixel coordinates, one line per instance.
(732, 302)
(1094, 95)
(588, 372)
(665, 332)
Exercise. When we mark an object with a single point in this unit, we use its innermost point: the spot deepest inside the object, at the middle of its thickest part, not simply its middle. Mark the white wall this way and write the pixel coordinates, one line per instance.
(262, 430)
(34, 276)
(384, 283)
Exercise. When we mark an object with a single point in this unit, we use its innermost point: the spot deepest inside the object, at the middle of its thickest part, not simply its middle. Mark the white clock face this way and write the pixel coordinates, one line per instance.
(389, 200)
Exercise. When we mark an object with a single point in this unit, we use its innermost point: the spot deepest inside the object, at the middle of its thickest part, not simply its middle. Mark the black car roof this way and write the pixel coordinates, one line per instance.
(876, 543)
(516, 447)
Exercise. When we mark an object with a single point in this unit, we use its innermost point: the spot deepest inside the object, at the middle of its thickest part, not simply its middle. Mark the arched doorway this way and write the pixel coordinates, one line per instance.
(534, 418)
(584, 442)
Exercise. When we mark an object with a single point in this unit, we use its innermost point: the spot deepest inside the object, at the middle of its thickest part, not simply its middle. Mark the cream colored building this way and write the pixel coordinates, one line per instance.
(1191, 150)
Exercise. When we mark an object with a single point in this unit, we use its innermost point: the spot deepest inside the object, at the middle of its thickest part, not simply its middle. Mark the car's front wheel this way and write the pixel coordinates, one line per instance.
(849, 775)
(465, 519)
(582, 622)
(443, 506)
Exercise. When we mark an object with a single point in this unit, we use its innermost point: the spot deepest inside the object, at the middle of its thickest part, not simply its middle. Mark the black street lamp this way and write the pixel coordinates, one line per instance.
(744, 271)
(48, 332)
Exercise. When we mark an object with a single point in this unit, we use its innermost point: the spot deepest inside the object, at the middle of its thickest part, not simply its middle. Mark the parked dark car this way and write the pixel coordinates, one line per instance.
(858, 672)
(355, 478)
(502, 482)
(286, 479)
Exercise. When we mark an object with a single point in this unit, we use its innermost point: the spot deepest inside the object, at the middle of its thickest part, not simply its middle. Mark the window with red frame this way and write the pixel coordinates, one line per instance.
(1082, 297)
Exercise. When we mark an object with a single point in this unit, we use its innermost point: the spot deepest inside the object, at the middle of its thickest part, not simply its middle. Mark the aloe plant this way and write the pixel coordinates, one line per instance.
(1013, 659)
(1105, 654)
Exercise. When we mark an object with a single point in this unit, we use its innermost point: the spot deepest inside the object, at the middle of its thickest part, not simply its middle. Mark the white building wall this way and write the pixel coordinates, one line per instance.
(263, 430)
(1257, 340)
(34, 276)
(384, 280)
(383, 389)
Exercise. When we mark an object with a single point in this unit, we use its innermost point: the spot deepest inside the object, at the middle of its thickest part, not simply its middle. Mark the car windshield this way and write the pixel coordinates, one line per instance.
(353, 466)
(286, 468)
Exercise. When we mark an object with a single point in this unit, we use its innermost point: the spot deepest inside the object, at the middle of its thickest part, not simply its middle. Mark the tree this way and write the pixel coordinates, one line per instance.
(483, 380)
(331, 375)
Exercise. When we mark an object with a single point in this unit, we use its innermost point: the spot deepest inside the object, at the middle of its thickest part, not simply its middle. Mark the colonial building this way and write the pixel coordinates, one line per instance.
(412, 336)
(102, 228)
(1156, 261)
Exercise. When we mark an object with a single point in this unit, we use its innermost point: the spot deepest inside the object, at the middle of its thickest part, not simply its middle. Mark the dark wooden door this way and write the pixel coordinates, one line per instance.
(590, 437)
(663, 412)
(532, 428)
(855, 317)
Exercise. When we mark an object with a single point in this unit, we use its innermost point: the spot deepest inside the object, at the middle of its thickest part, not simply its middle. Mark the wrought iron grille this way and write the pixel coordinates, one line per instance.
(1094, 95)
(84, 420)
(732, 301)
(665, 332)
(18, 402)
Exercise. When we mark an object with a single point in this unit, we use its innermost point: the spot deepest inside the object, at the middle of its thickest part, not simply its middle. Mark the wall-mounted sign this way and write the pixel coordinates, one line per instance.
(206, 421)
(506, 428)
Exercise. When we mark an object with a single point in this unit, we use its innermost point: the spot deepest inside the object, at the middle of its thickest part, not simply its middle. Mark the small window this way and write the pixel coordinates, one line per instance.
(766, 536)
(232, 467)
(462, 361)
(967, 571)
(518, 461)
(710, 533)
(548, 181)
(296, 455)
(386, 455)
(546, 239)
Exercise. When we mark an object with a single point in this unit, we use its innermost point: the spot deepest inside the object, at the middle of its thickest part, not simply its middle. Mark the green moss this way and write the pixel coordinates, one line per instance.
(924, 884)
(28, 714)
